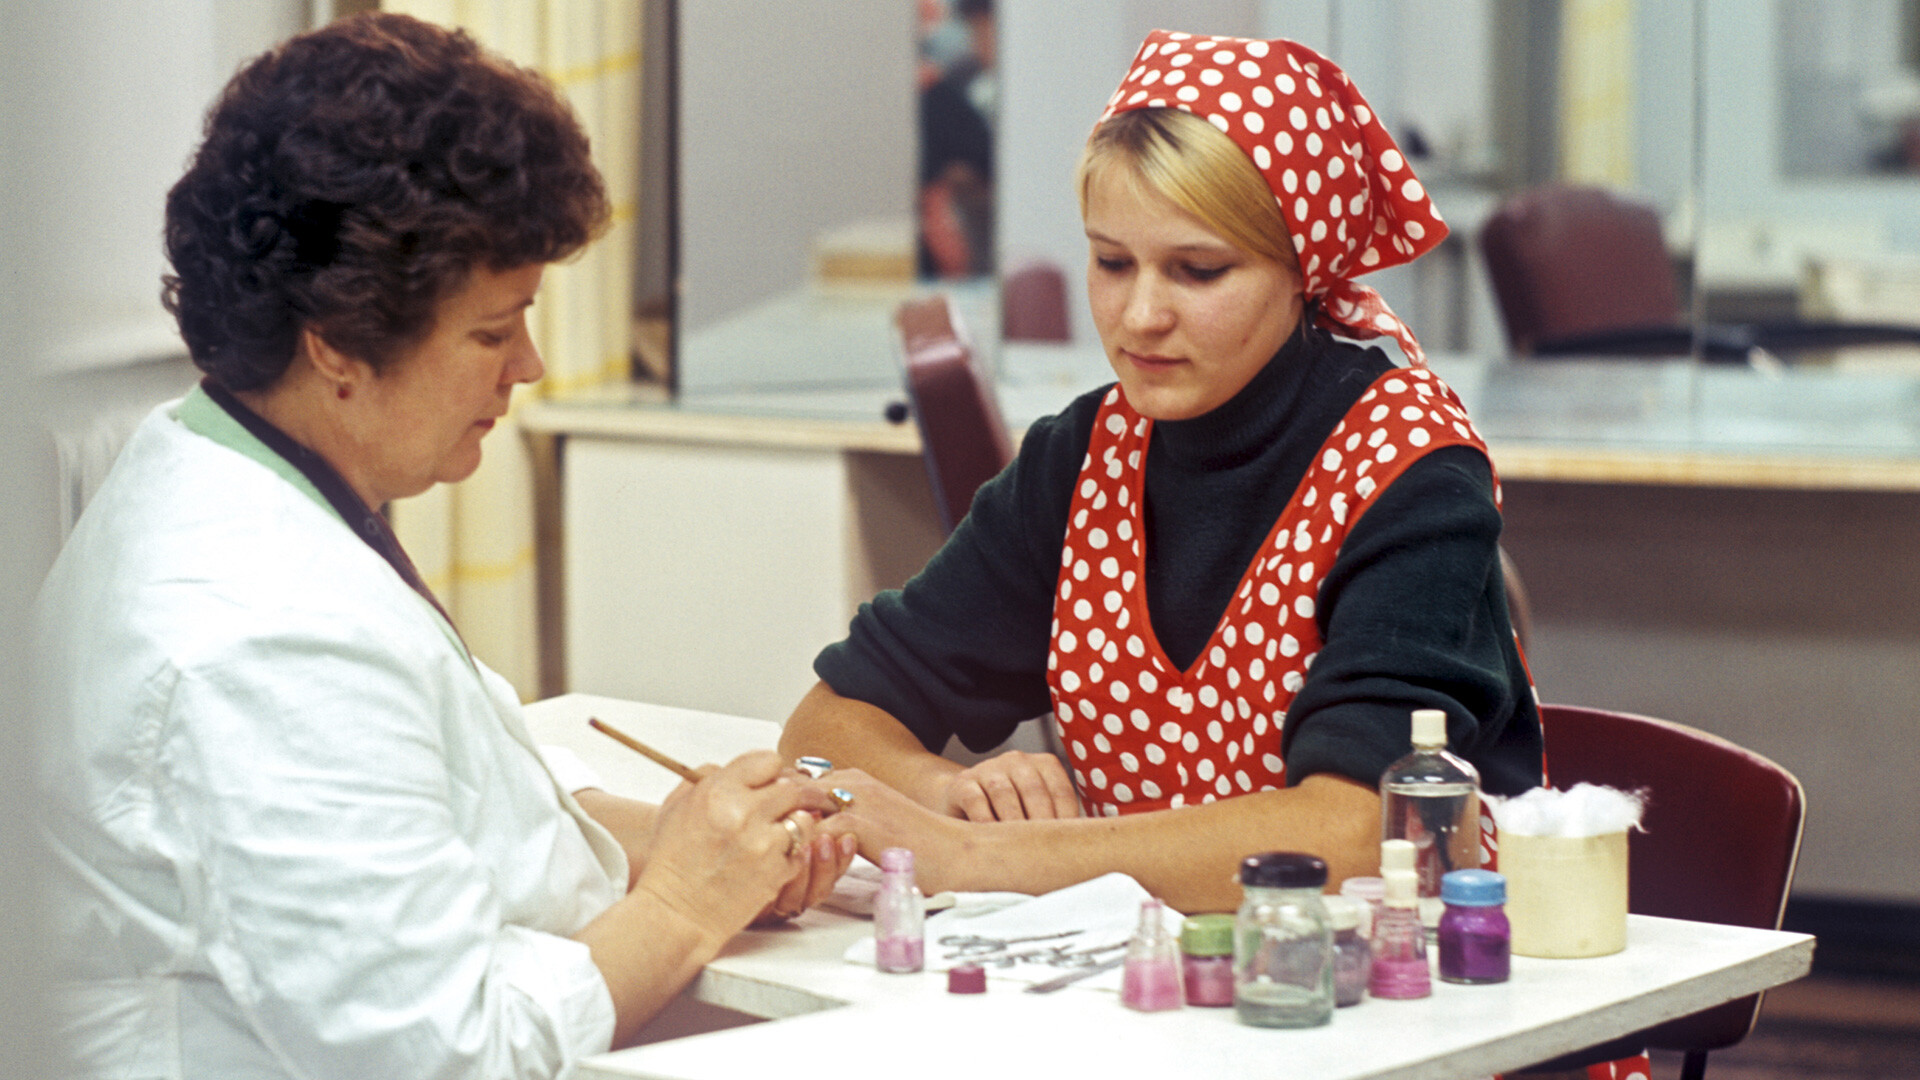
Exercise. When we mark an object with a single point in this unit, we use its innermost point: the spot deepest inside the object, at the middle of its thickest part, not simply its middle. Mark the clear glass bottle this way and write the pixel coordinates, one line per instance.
(1399, 943)
(899, 915)
(1432, 798)
(1150, 982)
(1282, 943)
(1352, 955)
(1476, 941)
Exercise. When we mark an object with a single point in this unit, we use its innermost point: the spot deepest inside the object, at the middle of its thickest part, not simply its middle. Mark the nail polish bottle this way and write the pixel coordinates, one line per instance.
(1206, 949)
(1352, 956)
(1400, 943)
(899, 917)
(1476, 941)
(1150, 982)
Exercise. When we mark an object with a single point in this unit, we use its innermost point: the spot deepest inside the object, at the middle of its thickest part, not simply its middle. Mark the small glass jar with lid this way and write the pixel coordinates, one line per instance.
(1283, 945)
(1206, 950)
(1352, 956)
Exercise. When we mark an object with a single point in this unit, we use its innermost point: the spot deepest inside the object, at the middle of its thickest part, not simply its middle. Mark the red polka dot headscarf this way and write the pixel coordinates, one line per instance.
(1346, 192)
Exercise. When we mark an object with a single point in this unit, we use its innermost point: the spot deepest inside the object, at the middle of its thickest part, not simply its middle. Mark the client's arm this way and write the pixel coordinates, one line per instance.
(1187, 857)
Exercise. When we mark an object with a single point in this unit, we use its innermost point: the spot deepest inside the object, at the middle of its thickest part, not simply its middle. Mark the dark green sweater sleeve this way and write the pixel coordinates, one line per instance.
(1413, 616)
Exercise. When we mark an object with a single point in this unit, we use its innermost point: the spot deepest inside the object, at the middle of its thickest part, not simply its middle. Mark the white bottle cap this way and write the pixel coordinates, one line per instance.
(1429, 728)
(1396, 855)
(1403, 888)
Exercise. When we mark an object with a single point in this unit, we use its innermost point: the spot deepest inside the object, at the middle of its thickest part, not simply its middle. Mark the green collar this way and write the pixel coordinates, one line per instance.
(203, 416)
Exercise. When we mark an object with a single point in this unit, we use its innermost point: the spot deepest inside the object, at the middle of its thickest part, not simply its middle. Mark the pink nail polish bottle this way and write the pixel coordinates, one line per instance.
(1150, 982)
(899, 916)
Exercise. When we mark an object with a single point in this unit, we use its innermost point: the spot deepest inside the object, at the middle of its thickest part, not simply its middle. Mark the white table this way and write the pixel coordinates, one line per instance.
(835, 1016)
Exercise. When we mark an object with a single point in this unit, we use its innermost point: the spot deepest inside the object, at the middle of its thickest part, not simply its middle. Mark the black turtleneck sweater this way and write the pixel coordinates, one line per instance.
(1412, 614)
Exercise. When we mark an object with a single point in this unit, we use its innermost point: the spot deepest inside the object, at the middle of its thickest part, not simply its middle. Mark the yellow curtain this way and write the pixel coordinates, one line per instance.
(1596, 92)
(474, 541)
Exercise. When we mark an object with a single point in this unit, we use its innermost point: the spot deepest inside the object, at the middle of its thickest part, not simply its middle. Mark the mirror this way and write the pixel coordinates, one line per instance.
(958, 97)
(794, 180)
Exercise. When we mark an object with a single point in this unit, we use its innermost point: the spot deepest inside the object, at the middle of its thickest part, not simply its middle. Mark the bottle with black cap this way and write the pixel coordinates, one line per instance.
(1282, 943)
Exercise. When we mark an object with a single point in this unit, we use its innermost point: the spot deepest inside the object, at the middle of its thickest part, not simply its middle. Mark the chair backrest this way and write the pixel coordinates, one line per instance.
(1575, 260)
(1033, 304)
(1722, 833)
(963, 438)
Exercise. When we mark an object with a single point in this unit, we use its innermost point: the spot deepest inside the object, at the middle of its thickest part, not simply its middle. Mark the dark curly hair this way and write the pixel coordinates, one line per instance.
(351, 178)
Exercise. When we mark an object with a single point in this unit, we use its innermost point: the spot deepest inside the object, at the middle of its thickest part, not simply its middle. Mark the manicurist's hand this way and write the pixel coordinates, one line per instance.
(1014, 786)
(824, 859)
(724, 849)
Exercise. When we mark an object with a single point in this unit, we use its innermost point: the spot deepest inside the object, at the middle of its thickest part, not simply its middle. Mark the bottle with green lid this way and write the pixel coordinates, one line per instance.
(1206, 951)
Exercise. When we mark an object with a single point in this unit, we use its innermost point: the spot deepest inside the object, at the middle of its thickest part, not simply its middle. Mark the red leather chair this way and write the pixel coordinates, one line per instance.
(1033, 304)
(1722, 835)
(963, 438)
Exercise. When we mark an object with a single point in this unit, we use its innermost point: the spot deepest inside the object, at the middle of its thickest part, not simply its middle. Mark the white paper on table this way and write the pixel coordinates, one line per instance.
(1104, 911)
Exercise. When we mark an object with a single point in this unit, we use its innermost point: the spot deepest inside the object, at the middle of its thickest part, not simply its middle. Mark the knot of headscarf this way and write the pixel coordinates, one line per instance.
(1348, 195)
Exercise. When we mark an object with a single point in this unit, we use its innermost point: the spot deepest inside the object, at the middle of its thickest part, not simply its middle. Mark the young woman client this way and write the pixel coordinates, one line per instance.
(1230, 577)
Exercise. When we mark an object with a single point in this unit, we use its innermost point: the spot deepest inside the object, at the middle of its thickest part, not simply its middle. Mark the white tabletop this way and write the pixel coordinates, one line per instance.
(831, 1010)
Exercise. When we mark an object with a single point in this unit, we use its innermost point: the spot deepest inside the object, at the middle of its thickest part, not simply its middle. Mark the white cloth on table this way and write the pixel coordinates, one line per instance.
(1096, 916)
(296, 831)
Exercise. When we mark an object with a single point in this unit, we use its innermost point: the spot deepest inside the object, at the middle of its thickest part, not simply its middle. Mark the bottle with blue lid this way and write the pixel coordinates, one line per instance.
(1476, 941)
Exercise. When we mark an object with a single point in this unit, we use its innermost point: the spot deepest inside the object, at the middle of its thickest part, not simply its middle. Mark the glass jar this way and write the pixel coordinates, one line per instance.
(1282, 943)
(1206, 950)
(1476, 942)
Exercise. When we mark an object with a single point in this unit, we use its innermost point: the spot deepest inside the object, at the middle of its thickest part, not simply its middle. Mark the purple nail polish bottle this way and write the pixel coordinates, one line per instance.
(1476, 942)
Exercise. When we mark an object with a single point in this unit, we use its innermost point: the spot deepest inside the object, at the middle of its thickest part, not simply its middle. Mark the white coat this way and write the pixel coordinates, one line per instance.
(297, 832)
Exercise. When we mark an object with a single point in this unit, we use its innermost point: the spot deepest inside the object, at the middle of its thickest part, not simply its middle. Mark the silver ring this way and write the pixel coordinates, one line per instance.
(814, 767)
(841, 797)
(794, 838)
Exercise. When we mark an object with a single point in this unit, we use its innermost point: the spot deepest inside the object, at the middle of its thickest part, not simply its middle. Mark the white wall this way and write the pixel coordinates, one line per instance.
(127, 83)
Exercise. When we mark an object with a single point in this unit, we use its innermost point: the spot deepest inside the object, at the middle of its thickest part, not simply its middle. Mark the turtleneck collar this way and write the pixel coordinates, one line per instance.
(1253, 419)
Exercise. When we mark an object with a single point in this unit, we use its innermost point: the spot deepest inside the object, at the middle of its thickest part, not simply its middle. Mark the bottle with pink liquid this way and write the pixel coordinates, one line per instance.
(1151, 980)
(1399, 943)
(899, 915)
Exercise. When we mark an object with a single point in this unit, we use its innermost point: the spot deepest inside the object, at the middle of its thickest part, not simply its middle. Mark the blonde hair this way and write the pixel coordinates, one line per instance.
(1188, 160)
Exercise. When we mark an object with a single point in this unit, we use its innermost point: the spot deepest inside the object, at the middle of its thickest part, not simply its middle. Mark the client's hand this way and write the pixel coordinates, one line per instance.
(881, 817)
(725, 848)
(1013, 786)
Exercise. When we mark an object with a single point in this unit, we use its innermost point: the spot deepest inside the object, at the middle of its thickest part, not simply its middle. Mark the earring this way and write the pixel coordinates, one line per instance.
(344, 391)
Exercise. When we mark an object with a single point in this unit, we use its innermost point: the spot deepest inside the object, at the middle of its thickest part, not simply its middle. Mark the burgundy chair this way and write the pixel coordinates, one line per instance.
(1033, 304)
(963, 439)
(1722, 834)
(1569, 261)
(1579, 271)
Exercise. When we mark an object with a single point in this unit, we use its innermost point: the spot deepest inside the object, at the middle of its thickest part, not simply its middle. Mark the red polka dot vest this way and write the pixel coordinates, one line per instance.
(1145, 736)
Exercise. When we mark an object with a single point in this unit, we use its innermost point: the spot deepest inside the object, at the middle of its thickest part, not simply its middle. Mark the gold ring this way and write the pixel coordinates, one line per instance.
(814, 767)
(794, 838)
(841, 797)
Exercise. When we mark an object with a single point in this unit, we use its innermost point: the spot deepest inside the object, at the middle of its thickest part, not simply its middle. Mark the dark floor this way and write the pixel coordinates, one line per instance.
(1824, 1027)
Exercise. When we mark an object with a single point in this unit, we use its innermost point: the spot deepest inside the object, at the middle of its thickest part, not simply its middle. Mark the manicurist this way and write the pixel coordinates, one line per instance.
(296, 829)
